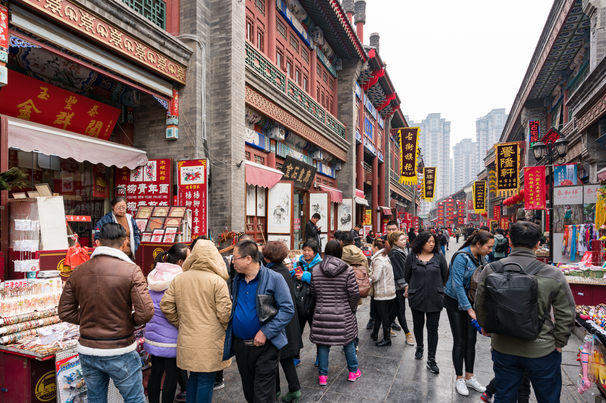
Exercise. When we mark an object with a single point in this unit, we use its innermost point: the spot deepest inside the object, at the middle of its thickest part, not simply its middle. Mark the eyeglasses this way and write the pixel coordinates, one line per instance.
(239, 257)
(119, 208)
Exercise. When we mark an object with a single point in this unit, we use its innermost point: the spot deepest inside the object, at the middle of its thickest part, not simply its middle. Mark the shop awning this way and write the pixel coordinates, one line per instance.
(602, 174)
(336, 196)
(360, 193)
(385, 210)
(28, 136)
(361, 201)
(260, 175)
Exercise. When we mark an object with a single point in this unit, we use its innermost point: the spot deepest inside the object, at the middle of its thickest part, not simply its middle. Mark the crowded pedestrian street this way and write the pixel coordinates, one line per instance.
(393, 375)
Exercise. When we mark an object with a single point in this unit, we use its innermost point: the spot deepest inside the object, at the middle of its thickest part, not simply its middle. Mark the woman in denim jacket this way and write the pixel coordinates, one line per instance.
(460, 312)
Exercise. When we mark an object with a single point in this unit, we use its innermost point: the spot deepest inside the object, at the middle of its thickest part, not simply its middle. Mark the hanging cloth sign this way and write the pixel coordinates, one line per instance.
(429, 183)
(479, 197)
(508, 168)
(409, 150)
(535, 185)
(496, 213)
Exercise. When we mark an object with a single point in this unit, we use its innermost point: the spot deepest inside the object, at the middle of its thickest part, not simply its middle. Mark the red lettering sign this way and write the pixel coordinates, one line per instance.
(534, 188)
(4, 36)
(34, 100)
(192, 193)
(149, 185)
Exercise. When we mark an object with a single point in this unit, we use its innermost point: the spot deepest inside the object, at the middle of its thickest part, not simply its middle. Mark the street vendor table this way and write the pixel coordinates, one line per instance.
(600, 341)
(588, 294)
(26, 377)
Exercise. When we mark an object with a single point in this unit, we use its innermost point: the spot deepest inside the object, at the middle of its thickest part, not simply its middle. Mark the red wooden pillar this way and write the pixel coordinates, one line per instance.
(271, 31)
(4, 194)
(381, 185)
(173, 17)
(360, 167)
(313, 67)
(375, 193)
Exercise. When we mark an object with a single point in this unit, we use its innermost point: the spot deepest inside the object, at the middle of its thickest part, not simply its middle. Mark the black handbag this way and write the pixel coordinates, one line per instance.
(266, 308)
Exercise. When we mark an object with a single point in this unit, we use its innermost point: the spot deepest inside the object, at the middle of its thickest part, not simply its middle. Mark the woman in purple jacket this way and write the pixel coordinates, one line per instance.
(160, 334)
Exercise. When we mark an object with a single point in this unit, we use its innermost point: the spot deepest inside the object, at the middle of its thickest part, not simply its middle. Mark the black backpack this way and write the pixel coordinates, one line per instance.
(511, 301)
(304, 300)
(502, 245)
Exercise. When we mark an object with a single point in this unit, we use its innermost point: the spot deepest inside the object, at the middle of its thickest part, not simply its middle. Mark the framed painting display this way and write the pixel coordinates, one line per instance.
(318, 203)
(251, 208)
(146, 237)
(171, 230)
(154, 223)
(144, 212)
(323, 241)
(284, 238)
(161, 211)
(157, 237)
(178, 212)
(345, 217)
(158, 231)
(172, 221)
(169, 238)
(141, 224)
(279, 208)
(260, 201)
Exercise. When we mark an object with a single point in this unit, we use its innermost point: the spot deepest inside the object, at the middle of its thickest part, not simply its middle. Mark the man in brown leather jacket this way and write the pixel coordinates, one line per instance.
(107, 296)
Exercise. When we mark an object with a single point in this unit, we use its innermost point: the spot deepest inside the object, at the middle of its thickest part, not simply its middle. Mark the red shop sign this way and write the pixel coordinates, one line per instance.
(193, 193)
(34, 100)
(3, 28)
(146, 186)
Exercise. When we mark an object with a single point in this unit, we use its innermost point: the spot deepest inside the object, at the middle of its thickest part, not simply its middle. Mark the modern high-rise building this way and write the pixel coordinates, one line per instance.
(488, 131)
(451, 181)
(435, 146)
(466, 164)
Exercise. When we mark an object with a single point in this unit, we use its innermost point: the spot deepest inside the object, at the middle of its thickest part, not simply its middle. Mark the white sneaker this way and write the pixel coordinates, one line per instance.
(473, 383)
(461, 387)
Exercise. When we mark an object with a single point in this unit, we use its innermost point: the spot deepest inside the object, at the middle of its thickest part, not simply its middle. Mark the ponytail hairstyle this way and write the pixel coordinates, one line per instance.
(381, 244)
(478, 236)
(176, 252)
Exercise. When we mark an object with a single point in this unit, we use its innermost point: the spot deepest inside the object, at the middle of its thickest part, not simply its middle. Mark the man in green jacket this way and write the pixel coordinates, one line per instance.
(541, 357)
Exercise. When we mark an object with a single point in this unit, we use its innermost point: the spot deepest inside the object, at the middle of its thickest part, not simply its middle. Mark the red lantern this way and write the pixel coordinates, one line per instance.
(522, 193)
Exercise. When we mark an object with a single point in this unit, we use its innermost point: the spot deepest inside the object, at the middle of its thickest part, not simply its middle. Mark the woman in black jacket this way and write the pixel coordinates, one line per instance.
(274, 253)
(425, 272)
(397, 255)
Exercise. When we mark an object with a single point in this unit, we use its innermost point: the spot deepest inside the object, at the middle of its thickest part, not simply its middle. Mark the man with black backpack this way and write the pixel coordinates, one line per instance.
(529, 309)
(501, 245)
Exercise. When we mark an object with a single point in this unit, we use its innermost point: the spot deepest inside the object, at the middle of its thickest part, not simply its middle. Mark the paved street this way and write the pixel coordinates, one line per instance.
(391, 374)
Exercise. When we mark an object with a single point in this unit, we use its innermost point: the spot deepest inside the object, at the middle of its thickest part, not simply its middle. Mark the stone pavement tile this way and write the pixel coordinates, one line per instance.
(372, 387)
(334, 397)
(403, 390)
(397, 349)
(309, 395)
(371, 366)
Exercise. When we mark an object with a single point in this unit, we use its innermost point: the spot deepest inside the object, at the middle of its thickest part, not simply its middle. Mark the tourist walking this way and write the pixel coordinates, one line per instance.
(275, 255)
(459, 310)
(411, 235)
(425, 272)
(335, 288)
(160, 334)
(501, 245)
(446, 233)
(198, 303)
(397, 256)
(442, 242)
(381, 277)
(458, 234)
(354, 256)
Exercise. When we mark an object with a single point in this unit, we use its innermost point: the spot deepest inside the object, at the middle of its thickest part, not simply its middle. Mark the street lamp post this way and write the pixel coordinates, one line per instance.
(540, 150)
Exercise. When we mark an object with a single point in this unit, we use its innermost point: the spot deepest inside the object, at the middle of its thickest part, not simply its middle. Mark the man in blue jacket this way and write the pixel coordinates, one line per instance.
(255, 345)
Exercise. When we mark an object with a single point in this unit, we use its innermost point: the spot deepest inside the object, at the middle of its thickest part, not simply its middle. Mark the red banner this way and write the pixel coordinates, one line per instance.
(415, 223)
(77, 218)
(34, 100)
(547, 214)
(192, 193)
(149, 185)
(4, 35)
(504, 223)
(496, 213)
(535, 187)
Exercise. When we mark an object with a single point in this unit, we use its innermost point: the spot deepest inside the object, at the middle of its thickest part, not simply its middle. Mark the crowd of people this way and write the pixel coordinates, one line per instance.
(202, 309)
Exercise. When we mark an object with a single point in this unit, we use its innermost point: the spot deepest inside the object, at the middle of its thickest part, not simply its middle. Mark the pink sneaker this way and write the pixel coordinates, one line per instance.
(354, 375)
(323, 380)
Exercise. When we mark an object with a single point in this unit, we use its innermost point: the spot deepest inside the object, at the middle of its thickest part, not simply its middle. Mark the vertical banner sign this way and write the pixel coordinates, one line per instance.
(535, 188)
(149, 185)
(479, 197)
(534, 131)
(4, 35)
(504, 223)
(192, 193)
(429, 183)
(415, 223)
(508, 167)
(409, 150)
(565, 175)
(496, 213)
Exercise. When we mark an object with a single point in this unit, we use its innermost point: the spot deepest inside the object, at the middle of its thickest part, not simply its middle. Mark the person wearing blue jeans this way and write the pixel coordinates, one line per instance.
(201, 390)
(442, 241)
(350, 357)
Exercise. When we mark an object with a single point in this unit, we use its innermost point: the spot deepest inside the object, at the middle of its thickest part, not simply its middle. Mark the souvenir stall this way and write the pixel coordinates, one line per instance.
(590, 328)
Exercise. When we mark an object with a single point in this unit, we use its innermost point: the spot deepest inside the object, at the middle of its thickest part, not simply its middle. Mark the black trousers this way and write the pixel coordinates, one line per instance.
(383, 310)
(464, 341)
(373, 309)
(433, 319)
(399, 310)
(302, 321)
(183, 378)
(161, 366)
(219, 376)
(257, 367)
(290, 372)
(523, 391)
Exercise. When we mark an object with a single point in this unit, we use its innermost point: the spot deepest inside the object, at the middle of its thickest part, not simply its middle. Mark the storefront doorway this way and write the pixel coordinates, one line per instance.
(300, 217)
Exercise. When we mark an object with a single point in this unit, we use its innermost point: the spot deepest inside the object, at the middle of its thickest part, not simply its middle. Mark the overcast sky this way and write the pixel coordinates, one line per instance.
(461, 59)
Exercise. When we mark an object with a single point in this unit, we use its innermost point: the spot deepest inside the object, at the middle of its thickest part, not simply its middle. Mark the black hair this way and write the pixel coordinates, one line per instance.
(500, 231)
(338, 235)
(112, 234)
(392, 222)
(525, 234)
(117, 200)
(313, 245)
(347, 238)
(246, 237)
(480, 237)
(421, 240)
(357, 226)
(484, 228)
(176, 252)
(334, 248)
(316, 215)
(248, 248)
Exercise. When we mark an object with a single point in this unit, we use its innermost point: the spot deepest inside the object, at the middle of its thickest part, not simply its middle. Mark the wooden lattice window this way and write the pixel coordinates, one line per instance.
(279, 166)
(280, 27)
(298, 76)
(331, 84)
(305, 80)
(260, 4)
(259, 159)
(153, 10)
(319, 71)
(305, 54)
(247, 155)
(289, 69)
(260, 39)
(255, 227)
(325, 78)
(249, 30)
(294, 43)
(279, 58)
